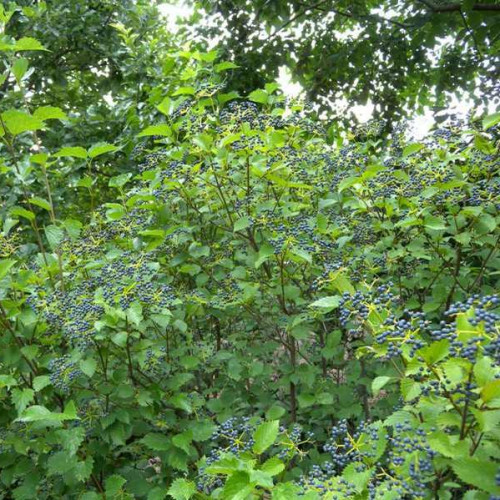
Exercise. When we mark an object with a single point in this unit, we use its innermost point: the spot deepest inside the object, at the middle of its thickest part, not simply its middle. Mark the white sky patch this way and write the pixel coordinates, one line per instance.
(289, 88)
(173, 12)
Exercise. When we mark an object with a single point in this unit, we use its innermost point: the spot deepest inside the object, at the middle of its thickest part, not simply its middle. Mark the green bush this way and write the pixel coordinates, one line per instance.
(254, 311)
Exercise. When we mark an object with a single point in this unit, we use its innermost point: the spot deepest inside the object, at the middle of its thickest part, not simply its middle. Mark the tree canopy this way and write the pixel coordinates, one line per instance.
(400, 55)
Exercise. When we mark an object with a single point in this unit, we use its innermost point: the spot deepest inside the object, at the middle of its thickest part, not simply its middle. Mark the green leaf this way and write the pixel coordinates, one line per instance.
(412, 148)
(341, 283)
(435, 352)
(483, 144)
(183, 441)
(114, 484)
(237, 486)
(264, 253)
(491, 391)
(19, 68)
(21, 398)
(18, 122)
(50, 113)
(379, 382)
(7, 381)
(435, 223)
(38, 413)
(22, 212)
(478, 473)
(28, 43)
(88, 366)
(72, 151)
(54, 235)
(203, 141)
(273, 466)
(259, 95)
(410, 389)
(157, 493)
(275, 412)
(40, 202)
(241, 224)
(182, 489)
(162, 130)
(60, 462)
(491, 120)
(265, 435)
(166, 106)
(347, 183)
(188, 90)
(71, 439)
(327, 303)
(484, 371)
(119, 180)
(156, 441)
(224, 66)
(5, 266)
(101, 148)
(41, 382)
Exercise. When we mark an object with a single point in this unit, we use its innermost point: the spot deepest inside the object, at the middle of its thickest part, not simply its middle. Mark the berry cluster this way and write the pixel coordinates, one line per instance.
(63, 372)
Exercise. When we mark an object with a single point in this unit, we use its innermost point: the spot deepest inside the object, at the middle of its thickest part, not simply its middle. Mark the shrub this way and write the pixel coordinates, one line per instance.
(255, 312)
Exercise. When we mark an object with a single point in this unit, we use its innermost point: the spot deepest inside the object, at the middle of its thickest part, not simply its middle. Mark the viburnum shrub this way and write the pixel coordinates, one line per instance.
(256, 311)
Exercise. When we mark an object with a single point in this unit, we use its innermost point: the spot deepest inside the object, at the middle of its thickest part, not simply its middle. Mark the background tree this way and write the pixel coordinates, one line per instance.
(400, 55)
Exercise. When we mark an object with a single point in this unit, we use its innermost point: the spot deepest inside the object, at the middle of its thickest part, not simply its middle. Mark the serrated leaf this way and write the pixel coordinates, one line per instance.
(40, 202)
(183, 441)
(119, 180)
(5, 266)
(435, 223)
(264, 253)
(379, 382)
(224, 66)
(72, 151)
(114, 484)
(38, 413)
(88, 366)
(22, 212)
(7, 381)
(412, 148)
(182, 489)
(71, 439)
(491, 391)
(41, 382)
(241, 224)
(478, 473)
(19, 68)
(60, 462)
(50, 113)
(101, 148)
(162, 130)
(265, 435)
(491, 120)
(21, 398)
(18, 122)
(54, 235)
(237, 487)
(273, 466)
(259, 95)
(28, 43)
(156, 441)
(327, 303)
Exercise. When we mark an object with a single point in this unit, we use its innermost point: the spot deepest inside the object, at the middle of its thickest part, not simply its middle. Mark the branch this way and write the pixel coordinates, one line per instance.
(456, 7)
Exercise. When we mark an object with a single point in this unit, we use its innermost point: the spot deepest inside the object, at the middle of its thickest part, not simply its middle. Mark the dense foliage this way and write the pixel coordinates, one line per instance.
(400, 55)
(223, 301)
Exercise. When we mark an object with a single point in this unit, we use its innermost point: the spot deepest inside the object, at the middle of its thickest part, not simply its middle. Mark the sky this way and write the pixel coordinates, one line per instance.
(419, 125)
